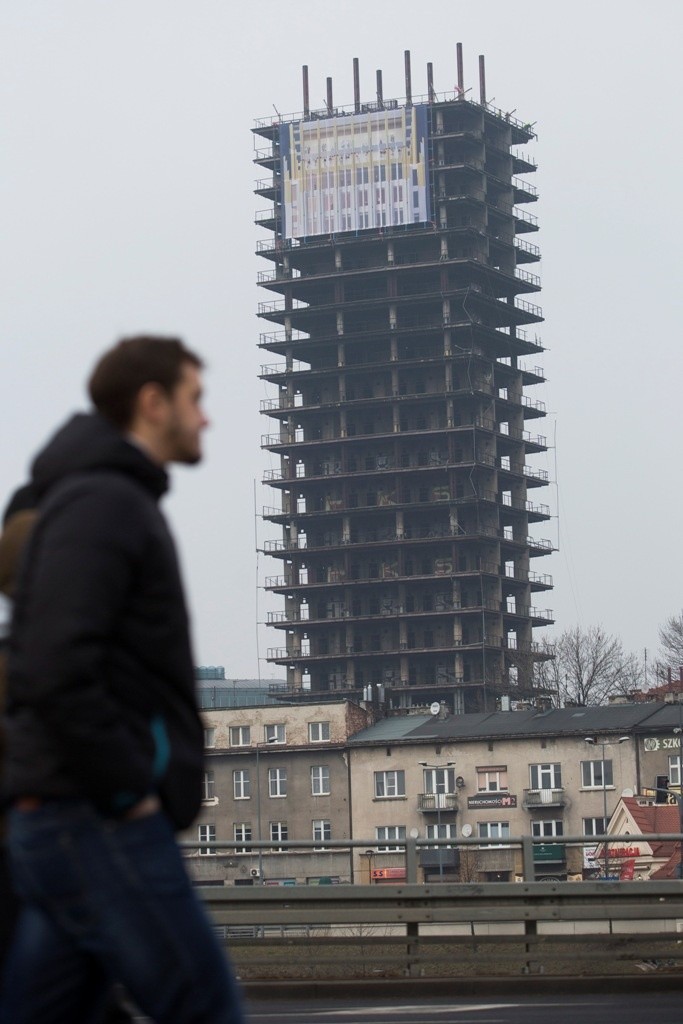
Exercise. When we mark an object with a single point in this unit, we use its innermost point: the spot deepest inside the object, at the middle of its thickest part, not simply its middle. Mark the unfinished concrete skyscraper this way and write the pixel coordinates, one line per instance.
(400, 422)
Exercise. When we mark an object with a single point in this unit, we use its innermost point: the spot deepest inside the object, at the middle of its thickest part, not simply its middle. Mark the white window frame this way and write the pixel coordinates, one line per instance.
(595, 826)
(674, 770)
(492, 780)
(209, 738)
(493, 830)
(545, 775)
(386, 834)
(206, 833)
(275, 732)
(446, 830)
(240, 735)
(590, 769)
(241, 784)
(321, 830)
(209, 788)
(547, 829)
(320, 780)
(277, 783)
(242, 833)
(439, 780)
(279, 833)
(390, 785)
(318, 732)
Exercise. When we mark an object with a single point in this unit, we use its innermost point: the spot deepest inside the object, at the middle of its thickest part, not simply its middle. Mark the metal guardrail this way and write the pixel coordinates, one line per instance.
(446, 929)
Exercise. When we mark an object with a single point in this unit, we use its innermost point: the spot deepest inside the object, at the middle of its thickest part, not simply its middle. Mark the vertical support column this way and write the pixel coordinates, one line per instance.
(461, 73)
(356, 86)
(409, 89)
(482, 79)
(307, 104)
(430, 83)
(380, 91)
(330, 103)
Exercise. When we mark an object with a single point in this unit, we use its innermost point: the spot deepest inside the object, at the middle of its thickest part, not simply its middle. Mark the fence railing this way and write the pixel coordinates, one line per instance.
(447, 930)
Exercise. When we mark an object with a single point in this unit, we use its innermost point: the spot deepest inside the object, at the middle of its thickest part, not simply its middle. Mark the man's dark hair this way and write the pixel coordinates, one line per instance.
(128, 366)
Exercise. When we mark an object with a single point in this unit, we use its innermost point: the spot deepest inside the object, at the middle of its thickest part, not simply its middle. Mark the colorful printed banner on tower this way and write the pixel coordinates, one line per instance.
(355, 172)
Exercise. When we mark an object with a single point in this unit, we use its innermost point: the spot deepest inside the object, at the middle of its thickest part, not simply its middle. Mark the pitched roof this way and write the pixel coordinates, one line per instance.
(575, 721)
(658, 818)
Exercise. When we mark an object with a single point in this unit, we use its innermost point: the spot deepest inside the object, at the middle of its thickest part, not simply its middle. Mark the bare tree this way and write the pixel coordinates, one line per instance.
(591, 665)
(469, 864)
(671, 641)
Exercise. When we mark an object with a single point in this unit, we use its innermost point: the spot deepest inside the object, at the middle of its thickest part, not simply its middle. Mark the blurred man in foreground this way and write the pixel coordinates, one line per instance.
(104, 742)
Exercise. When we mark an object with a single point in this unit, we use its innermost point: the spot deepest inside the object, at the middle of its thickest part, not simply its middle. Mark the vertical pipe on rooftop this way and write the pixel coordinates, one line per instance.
(307, 102)
(329, 96)
(409, 90)
(461, 73)
(356, 86)
(430, 82)
(380, 91)
(482, 79)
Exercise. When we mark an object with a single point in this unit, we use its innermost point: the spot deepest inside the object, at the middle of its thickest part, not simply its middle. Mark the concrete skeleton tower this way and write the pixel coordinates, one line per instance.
(402, 427)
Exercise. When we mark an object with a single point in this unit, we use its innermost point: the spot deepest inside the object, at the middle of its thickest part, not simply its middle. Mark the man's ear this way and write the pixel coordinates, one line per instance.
(151, 402)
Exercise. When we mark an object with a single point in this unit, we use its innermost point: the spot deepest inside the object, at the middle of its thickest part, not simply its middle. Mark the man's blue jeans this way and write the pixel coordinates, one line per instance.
(108, 901)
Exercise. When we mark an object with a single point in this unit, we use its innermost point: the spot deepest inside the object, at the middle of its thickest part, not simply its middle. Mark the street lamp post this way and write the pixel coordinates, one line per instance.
(437, 797)
(602, 743)
(258, 815)
(679, 798)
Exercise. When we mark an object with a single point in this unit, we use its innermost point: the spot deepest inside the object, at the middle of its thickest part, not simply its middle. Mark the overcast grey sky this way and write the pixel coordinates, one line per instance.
(127, 205)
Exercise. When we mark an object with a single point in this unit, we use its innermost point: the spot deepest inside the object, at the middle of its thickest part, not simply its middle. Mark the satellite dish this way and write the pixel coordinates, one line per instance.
(466, 831)
(414, 833)
(434, 708)
(627, 792)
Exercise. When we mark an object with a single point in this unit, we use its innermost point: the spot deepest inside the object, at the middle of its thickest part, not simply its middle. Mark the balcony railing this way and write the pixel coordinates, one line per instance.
(544, 798)
(437, 802)
(525, 186)
(524, 275)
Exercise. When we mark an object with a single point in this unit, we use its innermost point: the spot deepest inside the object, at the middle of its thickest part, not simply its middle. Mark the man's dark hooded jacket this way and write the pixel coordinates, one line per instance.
(101, 682)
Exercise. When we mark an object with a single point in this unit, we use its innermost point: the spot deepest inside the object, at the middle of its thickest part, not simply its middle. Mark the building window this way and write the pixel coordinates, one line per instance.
(318, 732)
(439, 780)
(278, 834)
(320, 780)
(274, 733)
(240, 735)
(592, 777)
(388, 835)
(209, 737)
(206, 834)
(277, 782)
(390, 785)
(208, 786)
(549, 829)
(492, 780)
(241, 787)
(242, 834)
(443, 831)
(674, 770)
(595, 826)
(545, 776)
(322, 831)
(493, 830)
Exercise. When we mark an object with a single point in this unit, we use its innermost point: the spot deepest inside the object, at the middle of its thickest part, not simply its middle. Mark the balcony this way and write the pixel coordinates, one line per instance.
(435, 803)
(534, 798)
(441, 860)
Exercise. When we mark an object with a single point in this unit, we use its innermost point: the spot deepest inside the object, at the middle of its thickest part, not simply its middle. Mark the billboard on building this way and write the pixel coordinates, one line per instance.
(354, 172)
